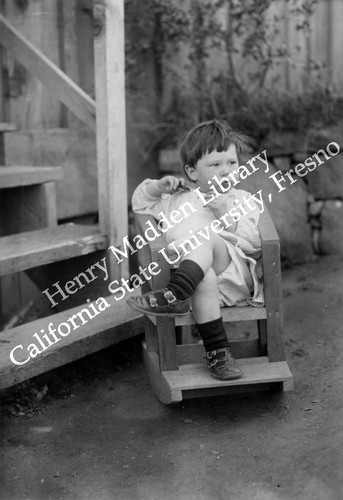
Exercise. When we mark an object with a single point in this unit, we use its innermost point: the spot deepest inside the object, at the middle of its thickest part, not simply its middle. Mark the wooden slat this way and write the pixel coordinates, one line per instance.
(321, 37)
(157, 381)
(15, 176)
(36, 248)
(109, 53)
(7, 127)
(240, 348)
(166, 344)
(228, 313)
(43, 68)
(262, 334)
(266, 228)
(116, 323)
(336, 42)
(273, 300)
(196, 376)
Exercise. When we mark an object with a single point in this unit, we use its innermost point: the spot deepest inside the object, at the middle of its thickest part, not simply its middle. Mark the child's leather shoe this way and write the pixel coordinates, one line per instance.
(160, 302)
(222, 365)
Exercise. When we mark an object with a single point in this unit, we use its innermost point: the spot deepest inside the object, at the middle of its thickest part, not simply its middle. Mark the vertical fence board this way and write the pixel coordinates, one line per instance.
(277, 74)
(337, 43)
(297, 50)
(321, 39)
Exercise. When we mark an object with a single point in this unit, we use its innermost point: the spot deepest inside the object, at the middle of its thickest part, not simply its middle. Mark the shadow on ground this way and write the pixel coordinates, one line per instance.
(94, 430)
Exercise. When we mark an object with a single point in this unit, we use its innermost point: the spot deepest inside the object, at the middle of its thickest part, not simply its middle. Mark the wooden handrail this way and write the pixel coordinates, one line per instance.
(67, 91)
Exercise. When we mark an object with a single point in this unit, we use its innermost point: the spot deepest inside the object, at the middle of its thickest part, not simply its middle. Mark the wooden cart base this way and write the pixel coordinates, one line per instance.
(194, 380)
(178, 370)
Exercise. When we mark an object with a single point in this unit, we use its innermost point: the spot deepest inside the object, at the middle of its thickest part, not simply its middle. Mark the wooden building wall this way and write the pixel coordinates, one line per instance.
(63, 30)
(48, 134)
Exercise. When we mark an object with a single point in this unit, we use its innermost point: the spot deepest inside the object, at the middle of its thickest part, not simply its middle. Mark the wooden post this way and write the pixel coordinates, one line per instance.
(109, 59)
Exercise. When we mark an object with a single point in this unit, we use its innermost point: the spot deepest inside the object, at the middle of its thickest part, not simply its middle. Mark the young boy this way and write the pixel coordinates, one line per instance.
(221, 269)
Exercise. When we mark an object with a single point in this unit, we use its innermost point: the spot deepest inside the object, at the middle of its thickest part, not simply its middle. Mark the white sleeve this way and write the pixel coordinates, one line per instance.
(247, 231)
(143, 203)
(247, 226)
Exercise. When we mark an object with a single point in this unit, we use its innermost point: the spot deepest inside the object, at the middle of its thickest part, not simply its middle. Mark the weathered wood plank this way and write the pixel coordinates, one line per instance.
(196, 376)
(166, 344)
(273, 300)
(228, 314)
(30, 104)
(266, 227)
(35, 248)
(74, 151)
(50, 75)
(7, 127)
(157, 381)
(116, 323)
(336, 42)
(320, 41)
(25, 176)
(109, 52)
(195, 353)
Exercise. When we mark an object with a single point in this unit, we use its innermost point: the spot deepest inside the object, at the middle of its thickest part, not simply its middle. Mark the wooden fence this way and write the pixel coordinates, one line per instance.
(63, 30)
(321, 45)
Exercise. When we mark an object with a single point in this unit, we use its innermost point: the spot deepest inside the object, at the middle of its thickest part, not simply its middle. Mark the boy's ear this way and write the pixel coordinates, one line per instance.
(191, 173)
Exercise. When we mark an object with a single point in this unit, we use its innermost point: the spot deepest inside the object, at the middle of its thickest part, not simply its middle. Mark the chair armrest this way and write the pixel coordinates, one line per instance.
(150, 252)
(272, 281)
(267, 229)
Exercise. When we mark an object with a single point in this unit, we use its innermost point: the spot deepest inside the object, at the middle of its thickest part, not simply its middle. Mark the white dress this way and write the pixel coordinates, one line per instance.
(240, 283)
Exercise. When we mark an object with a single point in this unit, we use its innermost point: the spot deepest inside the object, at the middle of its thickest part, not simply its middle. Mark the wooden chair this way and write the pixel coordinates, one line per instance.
(178, 370)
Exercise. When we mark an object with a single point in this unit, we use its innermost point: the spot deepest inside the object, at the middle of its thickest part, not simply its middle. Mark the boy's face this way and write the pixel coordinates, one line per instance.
(211, 164)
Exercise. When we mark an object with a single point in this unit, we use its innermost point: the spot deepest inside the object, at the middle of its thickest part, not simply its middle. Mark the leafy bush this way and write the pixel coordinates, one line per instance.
(250, 96)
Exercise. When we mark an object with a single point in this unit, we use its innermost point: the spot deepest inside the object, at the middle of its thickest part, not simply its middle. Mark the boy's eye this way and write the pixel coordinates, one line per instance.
(214, 164)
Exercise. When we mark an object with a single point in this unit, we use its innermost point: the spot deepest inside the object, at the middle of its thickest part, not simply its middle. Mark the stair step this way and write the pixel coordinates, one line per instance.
(7, 127)
(111, 325)
(255, 371)
(22, 251)
(26, 176)
(193, 380)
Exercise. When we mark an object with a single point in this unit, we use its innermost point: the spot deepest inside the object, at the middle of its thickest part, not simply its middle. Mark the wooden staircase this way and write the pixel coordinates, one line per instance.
(23, 251)
(32, 241)
(19, 361)
(30, 237)
(29, 233)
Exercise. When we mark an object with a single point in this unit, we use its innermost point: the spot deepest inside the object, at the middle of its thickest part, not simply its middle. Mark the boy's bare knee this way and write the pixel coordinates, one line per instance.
(214, 240)
(209, 281)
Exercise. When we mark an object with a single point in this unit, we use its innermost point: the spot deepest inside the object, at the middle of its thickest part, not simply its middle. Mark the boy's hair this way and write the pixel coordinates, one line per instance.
(212, 135)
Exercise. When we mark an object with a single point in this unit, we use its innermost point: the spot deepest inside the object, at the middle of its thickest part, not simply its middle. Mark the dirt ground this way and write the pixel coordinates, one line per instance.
(94, 430)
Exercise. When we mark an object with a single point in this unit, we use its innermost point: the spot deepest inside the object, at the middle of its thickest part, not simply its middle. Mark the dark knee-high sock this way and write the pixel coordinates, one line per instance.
(213, 334)
(185, 279)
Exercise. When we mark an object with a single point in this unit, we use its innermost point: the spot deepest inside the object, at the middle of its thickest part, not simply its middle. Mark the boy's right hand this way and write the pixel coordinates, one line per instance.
(170, 184)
